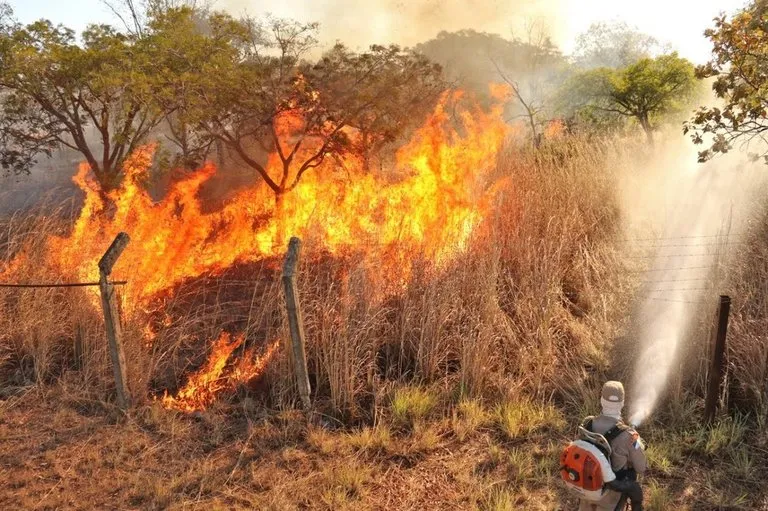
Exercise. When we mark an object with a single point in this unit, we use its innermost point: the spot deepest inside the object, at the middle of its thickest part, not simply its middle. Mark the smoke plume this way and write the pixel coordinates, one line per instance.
(408, 23)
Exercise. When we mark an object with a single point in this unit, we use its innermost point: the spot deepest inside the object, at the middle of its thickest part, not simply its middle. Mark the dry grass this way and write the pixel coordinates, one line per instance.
(522, 418)
(456, 391)
(508, 313)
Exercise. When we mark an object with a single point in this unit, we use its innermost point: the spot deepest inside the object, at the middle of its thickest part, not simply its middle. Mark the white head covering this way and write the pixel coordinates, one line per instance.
(612, 399)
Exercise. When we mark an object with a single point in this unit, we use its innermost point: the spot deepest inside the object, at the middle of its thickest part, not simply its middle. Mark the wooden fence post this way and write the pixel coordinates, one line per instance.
(112, 318)
(717, 370)
(295, 323)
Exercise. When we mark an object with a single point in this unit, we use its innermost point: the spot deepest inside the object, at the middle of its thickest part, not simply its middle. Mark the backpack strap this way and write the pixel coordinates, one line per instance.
(615, 431)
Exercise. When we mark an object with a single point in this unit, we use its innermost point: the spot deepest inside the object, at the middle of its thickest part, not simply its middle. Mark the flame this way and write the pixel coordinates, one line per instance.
(211, 379)
(554, 129)
(425, 205)
(428, 204)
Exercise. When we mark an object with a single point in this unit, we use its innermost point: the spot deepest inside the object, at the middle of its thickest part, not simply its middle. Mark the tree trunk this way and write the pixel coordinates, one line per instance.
(281, 236)
(646, 124)
(534, 134)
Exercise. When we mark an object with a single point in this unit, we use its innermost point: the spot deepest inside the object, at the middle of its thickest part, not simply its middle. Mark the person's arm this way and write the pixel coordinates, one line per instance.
(637, 456)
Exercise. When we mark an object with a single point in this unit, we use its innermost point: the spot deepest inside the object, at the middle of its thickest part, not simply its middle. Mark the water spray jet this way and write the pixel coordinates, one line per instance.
(702, 212)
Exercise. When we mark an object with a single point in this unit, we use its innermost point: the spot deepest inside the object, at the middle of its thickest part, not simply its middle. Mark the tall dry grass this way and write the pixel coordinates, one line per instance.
(747, 279)
(532, 305)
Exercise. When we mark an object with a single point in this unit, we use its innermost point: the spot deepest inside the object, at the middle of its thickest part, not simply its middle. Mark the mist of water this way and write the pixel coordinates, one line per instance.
(696, 215)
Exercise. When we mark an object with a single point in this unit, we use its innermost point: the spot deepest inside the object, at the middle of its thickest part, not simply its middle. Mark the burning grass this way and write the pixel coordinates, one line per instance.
(204, 385)
(475, 320)
(445, 338)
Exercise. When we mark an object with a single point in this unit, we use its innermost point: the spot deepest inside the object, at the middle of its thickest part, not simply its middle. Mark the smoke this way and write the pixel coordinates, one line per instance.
(409, 23)
(686, 219)
(49, 182)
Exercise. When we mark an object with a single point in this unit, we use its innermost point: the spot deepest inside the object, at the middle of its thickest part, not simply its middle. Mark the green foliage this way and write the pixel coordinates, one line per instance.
(521, 418)
(344, 485)
(371, 440)
(661, 458)
(265, 97)
(725, 434)
(657, 497)
(740, 71)
(412, 404)
(647, 90)
(468, 416)
(498, 499)
(199, 78)
(55, 90)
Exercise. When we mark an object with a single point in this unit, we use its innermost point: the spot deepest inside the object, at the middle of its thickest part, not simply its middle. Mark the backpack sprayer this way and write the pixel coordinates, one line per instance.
(585, 463)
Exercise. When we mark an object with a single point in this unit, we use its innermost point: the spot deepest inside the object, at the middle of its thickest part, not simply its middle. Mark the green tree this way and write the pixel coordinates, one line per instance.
(645, 91)
(192, 47)
(92, 97)
(384, 92)
(739, 69)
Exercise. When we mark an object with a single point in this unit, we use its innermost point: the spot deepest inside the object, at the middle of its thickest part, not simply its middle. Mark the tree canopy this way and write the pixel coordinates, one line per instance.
(613, 45)
(93, 97)
(739, 70)
(267, 98)
(200, 78)
(645, 91)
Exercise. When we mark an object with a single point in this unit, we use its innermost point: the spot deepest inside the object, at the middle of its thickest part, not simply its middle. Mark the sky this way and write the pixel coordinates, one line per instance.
(680, 23)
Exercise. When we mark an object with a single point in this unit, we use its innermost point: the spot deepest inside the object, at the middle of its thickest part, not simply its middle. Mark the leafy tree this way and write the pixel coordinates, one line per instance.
(644, 91)
(614, 45)
(93, 97)
(6, 16)
(191, 47)
(392, 91)
(268, 99)
(740, 71)
(136, 17)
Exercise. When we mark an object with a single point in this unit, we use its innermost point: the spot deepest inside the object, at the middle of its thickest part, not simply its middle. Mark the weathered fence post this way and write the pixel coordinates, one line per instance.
(112, 317)
(717, 370)
(295, 323)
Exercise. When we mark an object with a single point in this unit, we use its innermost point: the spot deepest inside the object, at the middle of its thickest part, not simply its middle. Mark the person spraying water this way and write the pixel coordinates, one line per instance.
(603, 464)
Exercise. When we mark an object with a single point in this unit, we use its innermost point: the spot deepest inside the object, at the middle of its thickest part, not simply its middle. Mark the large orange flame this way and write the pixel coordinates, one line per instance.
(427, 204)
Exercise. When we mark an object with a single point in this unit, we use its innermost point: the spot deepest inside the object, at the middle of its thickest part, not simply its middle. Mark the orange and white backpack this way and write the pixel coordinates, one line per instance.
(585, 465)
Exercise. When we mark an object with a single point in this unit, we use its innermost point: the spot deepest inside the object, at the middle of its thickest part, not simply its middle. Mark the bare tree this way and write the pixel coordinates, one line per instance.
(135, 16)
(534, 86)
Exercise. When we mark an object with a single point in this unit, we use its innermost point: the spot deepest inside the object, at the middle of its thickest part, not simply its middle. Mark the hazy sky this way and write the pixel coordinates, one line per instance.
(360, 22)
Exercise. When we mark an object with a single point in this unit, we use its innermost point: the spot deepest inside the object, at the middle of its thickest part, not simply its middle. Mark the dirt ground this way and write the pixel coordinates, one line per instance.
(59, 450)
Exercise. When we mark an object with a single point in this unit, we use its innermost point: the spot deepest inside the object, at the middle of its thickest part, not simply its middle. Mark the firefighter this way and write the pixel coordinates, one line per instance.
(628, 452)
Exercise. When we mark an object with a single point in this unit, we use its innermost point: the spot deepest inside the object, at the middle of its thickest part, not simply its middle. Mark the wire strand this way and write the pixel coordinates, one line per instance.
(675, 269)
(672, 255)
(685, 237)
(67, 284)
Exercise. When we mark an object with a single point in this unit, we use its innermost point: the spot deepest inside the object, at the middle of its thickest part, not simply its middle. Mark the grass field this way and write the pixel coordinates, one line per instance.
(457, 391)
